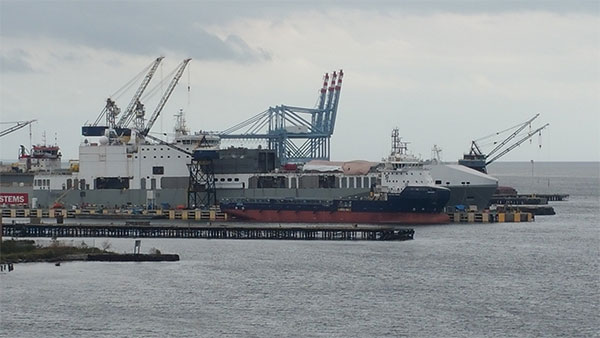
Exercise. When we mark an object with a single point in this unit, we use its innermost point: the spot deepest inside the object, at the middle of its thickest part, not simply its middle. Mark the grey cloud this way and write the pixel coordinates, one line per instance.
(136, 27)
(150, 28)
(242, 49)
(15, 61)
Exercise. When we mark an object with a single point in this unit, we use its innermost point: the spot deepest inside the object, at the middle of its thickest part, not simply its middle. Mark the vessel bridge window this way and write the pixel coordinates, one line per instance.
(159, 170)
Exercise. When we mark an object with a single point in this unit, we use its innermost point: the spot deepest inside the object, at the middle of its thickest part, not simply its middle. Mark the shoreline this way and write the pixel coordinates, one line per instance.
(26, 251)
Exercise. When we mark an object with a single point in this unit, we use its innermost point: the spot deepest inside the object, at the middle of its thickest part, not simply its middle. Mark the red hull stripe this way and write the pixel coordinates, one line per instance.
(287, 216)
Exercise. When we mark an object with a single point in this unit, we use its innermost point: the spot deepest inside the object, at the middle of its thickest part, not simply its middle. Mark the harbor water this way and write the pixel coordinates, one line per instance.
(537, 279)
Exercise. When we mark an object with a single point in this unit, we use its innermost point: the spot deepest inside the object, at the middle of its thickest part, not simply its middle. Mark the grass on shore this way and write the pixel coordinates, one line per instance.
(16, 251)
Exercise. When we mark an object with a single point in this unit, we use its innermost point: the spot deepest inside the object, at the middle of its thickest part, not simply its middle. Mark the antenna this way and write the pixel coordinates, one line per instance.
(30, 137)
(435, 153)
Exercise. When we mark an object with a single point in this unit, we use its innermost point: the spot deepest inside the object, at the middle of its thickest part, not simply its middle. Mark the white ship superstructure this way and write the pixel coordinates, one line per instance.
(117, 165)
(402, 169)
(150, 173)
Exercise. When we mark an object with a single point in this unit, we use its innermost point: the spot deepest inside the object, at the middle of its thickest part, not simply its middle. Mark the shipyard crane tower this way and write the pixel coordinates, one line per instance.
(477, 160)
(297, 134)
(111, 110)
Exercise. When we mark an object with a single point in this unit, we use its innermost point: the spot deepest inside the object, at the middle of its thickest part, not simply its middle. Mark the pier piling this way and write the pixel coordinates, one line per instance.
(209, 232)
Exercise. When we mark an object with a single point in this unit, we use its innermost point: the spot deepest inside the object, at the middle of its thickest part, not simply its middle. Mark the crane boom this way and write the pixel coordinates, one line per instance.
(525, 138)
(165, 96)
(513, 135)
(126, 117)
(17, 126)
(336, 100)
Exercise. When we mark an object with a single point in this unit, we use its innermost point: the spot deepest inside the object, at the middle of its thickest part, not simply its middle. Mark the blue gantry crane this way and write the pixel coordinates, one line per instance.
(297, 134)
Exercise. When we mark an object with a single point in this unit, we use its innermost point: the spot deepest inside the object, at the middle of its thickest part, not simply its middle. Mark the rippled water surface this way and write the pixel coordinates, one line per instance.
(468, 280)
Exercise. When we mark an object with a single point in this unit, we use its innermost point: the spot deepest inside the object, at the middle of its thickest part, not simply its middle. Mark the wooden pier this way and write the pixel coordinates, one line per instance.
(194, 215)
(209, 232)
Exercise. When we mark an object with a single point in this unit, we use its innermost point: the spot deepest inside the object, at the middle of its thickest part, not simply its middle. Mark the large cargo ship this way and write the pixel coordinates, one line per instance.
(415, 205)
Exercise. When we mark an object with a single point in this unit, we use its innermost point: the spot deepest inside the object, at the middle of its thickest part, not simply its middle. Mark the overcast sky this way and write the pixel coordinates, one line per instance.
(444, 73)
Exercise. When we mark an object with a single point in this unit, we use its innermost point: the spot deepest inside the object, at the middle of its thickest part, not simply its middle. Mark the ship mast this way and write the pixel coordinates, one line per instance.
(180, 127)
(398, 147)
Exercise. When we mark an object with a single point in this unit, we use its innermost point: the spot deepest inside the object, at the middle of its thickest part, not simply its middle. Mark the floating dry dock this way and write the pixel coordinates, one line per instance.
(210, 232)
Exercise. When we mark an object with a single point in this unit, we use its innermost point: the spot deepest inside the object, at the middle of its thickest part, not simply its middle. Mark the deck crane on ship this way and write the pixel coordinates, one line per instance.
(477, 160)
(111, 110)
(162, 102)
(135, 101)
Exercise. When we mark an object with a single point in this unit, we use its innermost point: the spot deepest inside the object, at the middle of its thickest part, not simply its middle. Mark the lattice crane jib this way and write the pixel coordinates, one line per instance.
(130, 110)
(166, 96)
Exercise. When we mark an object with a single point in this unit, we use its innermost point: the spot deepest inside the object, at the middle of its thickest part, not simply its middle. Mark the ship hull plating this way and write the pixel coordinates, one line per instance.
(415, 205)
(307, 216)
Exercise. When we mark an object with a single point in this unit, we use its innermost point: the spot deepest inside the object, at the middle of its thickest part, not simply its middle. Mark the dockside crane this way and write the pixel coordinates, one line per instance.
(332, 112)
(318, 117)
(296, 137)
(516, 144)
(135, 100)
(164, 98)
(111, 110)
(17, 125)
(477, 160)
